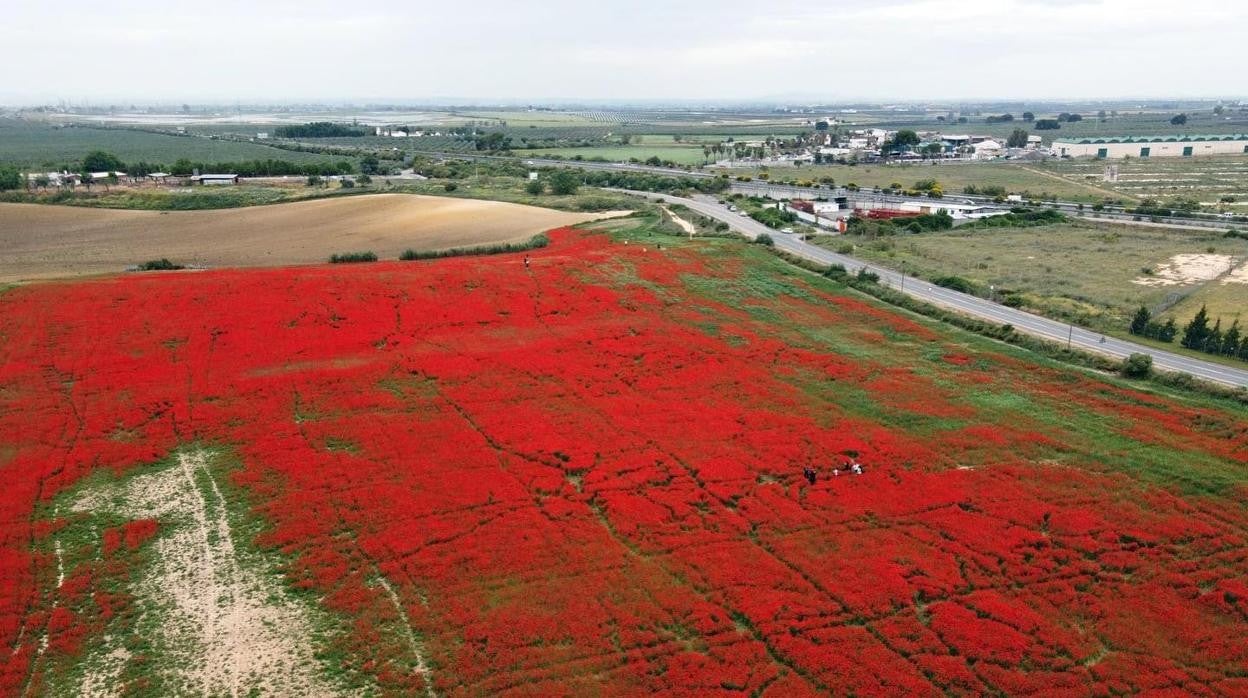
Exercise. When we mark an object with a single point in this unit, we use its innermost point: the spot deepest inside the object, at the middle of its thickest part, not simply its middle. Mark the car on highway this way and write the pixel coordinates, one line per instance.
(787, 230)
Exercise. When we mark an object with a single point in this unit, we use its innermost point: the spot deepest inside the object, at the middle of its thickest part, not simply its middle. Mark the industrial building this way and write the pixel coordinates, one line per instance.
(1152, 146)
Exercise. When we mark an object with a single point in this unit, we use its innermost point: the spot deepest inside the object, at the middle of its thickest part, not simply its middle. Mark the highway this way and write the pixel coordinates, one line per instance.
(1022, 321)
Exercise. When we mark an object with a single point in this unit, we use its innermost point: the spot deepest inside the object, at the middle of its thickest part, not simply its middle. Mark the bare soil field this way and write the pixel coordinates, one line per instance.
(40, 242)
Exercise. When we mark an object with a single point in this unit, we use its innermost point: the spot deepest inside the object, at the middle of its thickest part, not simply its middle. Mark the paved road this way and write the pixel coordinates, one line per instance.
(970, 305)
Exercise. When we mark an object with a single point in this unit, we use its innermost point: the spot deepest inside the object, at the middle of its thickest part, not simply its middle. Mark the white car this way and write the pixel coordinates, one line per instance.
(786, 230)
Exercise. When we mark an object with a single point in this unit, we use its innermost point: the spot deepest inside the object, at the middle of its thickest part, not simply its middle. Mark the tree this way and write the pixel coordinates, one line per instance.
(1028, 116)
(1101, 115)
(1178, 120)
(1217, 111)
(10, 178)
(1232, 340)
(1197, 331)
(102, 161)
(1139, 323)
(905, 137)
(86, 177)
(370, 165)
(1017, 139)
(535, 187)
(1047, 125)
(564, 182)
(931, 150)
(314, 180)
(1213, 343)
(1137, 366)
(42, 181)
(1168, 331)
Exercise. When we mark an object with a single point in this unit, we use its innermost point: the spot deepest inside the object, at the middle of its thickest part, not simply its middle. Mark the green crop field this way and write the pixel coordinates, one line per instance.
(1206, 180)
(1125, 124)
(41, 145)
(1079, 271)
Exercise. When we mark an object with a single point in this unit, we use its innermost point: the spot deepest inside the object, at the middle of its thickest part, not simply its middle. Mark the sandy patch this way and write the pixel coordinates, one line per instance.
(38, 241)
(1187, 269)
(221, 626)
(681, 222)
(1239, 276)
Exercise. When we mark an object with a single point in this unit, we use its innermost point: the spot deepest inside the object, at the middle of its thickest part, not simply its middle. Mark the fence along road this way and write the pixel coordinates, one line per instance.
(1052, 330)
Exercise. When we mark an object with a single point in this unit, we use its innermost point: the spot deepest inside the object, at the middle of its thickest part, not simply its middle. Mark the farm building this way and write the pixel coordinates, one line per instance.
(1152, 146)
(215, 179)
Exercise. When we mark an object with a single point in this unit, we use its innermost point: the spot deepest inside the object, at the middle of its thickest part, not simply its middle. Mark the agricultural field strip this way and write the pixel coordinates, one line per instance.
(1023, 321)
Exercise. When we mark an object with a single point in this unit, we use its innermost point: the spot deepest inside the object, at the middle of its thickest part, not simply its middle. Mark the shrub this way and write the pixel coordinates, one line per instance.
(765, 240)
(352, 257)
(161, 264)
(535, 187)
(955, 283)
(450, 186)
(1138, 366)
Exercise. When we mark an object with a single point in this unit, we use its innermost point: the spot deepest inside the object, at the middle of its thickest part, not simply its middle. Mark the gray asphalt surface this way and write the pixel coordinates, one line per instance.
(970, 305)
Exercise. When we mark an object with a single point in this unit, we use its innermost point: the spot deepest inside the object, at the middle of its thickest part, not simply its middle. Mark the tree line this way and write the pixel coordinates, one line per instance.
(319, 129)
(1198, 335)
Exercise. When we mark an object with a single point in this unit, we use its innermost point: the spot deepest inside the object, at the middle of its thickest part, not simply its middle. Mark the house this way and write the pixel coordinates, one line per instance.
(215, 179)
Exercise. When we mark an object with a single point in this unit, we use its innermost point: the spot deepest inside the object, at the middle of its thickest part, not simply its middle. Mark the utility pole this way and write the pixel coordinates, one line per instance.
(1070, 336)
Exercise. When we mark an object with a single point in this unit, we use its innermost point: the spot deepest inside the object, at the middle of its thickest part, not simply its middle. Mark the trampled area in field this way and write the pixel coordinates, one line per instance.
(467, 476)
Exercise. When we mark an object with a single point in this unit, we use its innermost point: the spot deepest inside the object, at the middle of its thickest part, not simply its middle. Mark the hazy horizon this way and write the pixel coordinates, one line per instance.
(907, 51)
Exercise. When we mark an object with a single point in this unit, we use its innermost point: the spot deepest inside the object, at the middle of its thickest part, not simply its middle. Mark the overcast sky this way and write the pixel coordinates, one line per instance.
(275, 50)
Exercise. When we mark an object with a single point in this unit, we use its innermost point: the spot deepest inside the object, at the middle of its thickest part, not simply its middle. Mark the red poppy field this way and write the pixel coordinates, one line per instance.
(469, 477)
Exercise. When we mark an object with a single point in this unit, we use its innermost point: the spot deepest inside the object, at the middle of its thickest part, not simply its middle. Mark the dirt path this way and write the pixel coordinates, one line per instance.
(38, 241)
(681, 223)
(220, 624)
(417, 648)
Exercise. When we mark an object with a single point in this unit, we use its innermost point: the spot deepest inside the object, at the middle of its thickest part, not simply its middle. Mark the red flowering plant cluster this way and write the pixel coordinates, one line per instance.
(587, 475)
